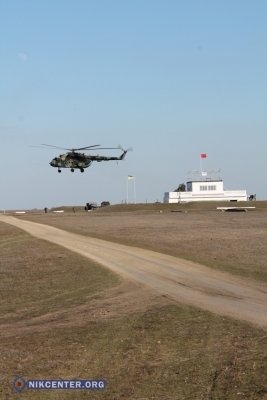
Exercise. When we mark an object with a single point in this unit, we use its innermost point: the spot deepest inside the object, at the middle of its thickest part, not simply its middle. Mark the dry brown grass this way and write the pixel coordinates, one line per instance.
(233, 242)
(63, 316)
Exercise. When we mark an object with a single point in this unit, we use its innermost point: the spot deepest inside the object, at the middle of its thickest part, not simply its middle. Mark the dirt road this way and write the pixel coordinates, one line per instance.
(184, 281)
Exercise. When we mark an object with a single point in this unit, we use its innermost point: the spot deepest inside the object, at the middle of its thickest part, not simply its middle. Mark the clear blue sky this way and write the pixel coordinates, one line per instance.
(171, 78)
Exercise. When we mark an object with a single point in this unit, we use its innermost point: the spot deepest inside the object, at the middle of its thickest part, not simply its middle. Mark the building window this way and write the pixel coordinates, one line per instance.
(204, 188)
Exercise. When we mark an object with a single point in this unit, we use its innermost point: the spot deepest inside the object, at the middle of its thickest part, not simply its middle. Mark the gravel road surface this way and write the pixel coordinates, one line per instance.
(182, 280)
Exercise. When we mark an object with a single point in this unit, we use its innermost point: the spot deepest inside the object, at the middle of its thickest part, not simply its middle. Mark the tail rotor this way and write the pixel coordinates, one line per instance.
(125, 151)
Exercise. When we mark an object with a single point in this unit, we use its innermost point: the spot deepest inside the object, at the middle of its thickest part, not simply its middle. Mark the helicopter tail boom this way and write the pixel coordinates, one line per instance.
(123, 155)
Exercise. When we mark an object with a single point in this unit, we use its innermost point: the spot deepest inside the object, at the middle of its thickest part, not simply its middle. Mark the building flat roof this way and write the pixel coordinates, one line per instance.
(205, 180)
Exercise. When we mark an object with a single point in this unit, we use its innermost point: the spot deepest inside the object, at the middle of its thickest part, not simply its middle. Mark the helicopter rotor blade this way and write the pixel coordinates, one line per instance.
(55, 147)
(41, 147)
(64, 148)
(120, 147)
(94, 147)
(105, 148)
(87, 147)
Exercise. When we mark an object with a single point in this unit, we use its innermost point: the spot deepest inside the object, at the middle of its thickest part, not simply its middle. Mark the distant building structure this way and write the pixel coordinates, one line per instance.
(204, 188)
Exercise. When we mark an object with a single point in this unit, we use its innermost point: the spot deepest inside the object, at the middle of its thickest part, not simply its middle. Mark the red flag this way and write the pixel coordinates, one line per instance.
(203, 155)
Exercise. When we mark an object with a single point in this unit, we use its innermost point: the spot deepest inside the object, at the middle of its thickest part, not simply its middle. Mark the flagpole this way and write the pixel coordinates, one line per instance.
(200, 164)
(126, 189)
(134, 191)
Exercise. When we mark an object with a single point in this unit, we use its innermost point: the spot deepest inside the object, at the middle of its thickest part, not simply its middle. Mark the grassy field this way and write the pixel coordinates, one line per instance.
(63, 316)
(232, 242)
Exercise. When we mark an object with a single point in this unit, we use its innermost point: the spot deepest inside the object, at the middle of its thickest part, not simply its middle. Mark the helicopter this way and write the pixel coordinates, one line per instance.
(74, 160)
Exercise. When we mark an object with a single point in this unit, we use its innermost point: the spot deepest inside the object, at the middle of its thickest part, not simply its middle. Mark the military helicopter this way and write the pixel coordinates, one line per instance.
(74, 160)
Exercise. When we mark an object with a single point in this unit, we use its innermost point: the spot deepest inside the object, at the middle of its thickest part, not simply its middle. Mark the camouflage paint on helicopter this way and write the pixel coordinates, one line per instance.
(74, 160)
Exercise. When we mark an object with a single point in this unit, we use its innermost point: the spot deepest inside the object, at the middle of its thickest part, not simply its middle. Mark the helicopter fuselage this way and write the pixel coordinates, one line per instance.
(80, 161)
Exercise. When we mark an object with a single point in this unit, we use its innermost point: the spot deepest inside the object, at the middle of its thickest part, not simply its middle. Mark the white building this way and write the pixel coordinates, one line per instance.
(205, 189)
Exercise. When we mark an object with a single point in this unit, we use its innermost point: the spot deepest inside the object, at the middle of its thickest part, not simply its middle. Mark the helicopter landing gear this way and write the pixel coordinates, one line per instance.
(82, 170)
(59, 170)
(72, 169)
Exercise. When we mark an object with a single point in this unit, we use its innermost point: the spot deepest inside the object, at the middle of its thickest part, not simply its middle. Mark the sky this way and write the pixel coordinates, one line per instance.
(170, 78)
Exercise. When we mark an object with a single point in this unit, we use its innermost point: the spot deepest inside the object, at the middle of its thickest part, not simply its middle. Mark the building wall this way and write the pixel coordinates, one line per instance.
(205, 191)
(204, 187)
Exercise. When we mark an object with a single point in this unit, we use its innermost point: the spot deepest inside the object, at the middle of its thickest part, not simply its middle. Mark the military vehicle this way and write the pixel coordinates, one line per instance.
(105, 203)
(91, 206)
